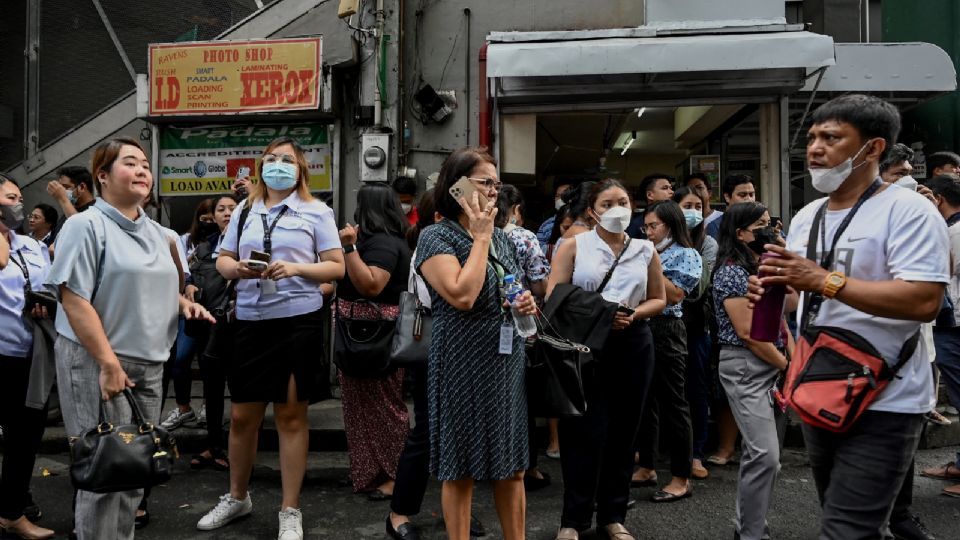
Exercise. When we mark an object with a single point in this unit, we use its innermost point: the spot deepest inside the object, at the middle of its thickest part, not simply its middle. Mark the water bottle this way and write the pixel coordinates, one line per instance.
(526, 324)
(768, 312)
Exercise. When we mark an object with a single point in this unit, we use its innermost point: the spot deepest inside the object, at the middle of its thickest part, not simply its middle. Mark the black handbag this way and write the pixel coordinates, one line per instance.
(361, 347)
(555, 377)
(411, 340)
(109, 458)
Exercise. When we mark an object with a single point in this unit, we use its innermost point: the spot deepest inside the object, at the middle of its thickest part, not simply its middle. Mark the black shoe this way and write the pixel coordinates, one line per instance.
(32, 512)
(476, 528)
(910, 528)
(404, 532)
(532, 483)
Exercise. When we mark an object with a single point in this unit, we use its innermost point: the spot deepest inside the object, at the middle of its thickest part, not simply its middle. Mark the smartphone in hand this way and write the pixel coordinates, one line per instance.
(465, 188)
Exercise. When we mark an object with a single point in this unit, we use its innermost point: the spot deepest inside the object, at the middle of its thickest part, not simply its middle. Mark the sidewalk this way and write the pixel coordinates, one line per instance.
(327, 433)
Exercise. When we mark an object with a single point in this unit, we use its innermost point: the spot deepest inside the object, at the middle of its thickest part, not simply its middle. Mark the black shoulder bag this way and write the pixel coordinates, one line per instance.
(555, 364)
(221, 335)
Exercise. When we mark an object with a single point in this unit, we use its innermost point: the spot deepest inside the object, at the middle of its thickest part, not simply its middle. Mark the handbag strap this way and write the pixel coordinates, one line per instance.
(232, 286)
(606, 278)
(137, 415)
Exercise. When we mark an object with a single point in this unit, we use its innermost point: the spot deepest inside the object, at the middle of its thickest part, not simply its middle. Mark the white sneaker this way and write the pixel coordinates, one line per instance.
(291, 524)
(227, 510)
(176, 419)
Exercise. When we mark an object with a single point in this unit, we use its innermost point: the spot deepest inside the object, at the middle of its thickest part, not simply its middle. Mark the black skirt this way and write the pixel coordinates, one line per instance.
(267, 352)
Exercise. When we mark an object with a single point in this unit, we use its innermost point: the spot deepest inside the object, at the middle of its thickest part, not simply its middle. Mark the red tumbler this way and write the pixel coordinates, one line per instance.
(768, 312)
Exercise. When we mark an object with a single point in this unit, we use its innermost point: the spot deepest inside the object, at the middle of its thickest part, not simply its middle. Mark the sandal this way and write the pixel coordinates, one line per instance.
(615, 531)
(952, 491)
(662, 496)
(948, 471)
(217, 460)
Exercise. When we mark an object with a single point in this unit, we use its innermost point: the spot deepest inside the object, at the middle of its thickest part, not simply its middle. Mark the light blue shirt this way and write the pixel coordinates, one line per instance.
(15, 338)
(306, 229)
(683, 267)
(125, 270)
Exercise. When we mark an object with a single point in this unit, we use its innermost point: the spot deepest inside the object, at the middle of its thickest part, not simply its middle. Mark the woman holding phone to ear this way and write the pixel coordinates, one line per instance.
(476, 394)
(278, 327)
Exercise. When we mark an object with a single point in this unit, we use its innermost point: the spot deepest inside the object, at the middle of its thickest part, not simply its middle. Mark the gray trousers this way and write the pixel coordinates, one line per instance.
(747, 381)
(103, 516)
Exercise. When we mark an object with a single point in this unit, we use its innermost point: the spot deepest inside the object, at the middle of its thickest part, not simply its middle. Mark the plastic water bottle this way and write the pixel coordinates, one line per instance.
(768, 312)
(526, 324)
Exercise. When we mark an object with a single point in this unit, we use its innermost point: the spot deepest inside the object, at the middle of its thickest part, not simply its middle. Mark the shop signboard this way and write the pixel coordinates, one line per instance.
(205, 160)
(217, 77)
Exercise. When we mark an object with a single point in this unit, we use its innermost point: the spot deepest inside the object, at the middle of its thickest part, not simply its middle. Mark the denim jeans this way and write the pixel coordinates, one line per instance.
(103, 516)
(859, 472)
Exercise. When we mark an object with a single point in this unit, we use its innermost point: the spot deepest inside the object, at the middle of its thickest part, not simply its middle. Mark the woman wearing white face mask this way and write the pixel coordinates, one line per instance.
(698, 318)
(682, 268)
(597, 455)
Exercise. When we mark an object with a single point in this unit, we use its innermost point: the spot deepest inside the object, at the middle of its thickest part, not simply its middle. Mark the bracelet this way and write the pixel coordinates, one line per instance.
(349, 248)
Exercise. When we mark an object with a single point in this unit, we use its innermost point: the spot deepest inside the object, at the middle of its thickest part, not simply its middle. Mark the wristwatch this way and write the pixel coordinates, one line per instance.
(833, 283)
(349, 248)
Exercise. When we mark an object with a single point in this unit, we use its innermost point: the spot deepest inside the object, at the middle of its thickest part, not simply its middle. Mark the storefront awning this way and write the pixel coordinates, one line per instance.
(710, 67)
(904, 70)
(677, 54)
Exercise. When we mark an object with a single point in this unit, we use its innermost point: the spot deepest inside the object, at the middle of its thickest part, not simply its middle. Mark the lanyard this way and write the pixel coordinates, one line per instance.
(22, 265)
(268, 230)
(826, 260)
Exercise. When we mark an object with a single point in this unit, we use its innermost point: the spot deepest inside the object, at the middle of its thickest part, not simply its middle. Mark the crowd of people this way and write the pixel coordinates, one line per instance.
(132, 304)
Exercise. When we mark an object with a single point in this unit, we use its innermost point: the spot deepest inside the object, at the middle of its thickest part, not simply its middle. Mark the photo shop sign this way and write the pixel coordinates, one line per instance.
(206, 160)
(218, 77)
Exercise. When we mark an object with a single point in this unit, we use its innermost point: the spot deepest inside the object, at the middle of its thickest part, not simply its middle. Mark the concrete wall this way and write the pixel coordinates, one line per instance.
(441, 53)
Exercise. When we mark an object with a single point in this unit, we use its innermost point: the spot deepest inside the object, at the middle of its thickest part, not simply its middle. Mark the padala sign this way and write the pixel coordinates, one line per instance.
(205, 160)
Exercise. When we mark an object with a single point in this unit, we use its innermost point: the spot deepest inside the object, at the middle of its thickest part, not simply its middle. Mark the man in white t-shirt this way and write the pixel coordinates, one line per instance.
(888, 275)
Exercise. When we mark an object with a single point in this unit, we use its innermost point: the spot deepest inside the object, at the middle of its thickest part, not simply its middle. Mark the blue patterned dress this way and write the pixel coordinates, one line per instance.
(476, 397)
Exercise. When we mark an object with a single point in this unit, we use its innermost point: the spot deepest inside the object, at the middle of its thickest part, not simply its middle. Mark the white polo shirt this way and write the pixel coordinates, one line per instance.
(306, 229)
(15, 338)
(896, 234)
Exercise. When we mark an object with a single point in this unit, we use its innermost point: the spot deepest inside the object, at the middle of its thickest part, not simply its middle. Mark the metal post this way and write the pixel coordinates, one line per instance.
(786, 186)
(31, 88)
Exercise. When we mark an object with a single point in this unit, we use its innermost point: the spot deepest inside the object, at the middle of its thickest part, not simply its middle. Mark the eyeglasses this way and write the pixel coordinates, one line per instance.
(488, 183)
(652, 226)
(273, 158)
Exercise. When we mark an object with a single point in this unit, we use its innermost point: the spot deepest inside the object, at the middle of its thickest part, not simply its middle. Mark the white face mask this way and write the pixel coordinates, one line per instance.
(908, 182)
(558, 203)
(615, 219)
(406, 207)
(663, 244)
(829, 180)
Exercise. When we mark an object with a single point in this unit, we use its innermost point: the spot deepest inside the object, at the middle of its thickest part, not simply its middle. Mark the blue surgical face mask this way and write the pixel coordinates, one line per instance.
(279, 175)
(693, 217)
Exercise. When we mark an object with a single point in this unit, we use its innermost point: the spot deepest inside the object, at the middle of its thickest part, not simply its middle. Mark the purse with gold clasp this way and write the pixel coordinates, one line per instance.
(109, 458)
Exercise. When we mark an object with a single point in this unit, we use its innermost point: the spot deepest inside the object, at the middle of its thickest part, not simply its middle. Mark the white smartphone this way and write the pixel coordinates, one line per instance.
(258, 266)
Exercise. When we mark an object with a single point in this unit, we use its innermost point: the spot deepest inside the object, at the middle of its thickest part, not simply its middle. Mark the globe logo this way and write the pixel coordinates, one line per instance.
(200, 169)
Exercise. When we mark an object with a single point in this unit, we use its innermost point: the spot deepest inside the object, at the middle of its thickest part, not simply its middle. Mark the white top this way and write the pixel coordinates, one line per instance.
(416, 284)
(715, 215)
(15, 338)
(181, 249)
(896, 234)
(124, 269)
(628, 284)
(953, 288)
(306, 229)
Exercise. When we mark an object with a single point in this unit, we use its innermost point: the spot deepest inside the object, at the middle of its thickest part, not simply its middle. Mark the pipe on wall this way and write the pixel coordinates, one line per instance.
(484, 100)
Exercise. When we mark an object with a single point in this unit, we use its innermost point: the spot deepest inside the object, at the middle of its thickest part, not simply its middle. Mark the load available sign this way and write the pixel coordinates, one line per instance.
(213, 77)
(206, 160)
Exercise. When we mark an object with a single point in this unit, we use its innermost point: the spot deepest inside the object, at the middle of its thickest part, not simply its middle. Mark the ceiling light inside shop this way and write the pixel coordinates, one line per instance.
(640, 111)
(629, 143)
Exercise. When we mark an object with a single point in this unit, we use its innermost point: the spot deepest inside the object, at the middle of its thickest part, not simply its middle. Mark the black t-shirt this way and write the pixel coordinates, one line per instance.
(389, 253)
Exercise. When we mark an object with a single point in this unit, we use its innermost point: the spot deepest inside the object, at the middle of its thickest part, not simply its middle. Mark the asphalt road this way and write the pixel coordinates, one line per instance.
(331, 511)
